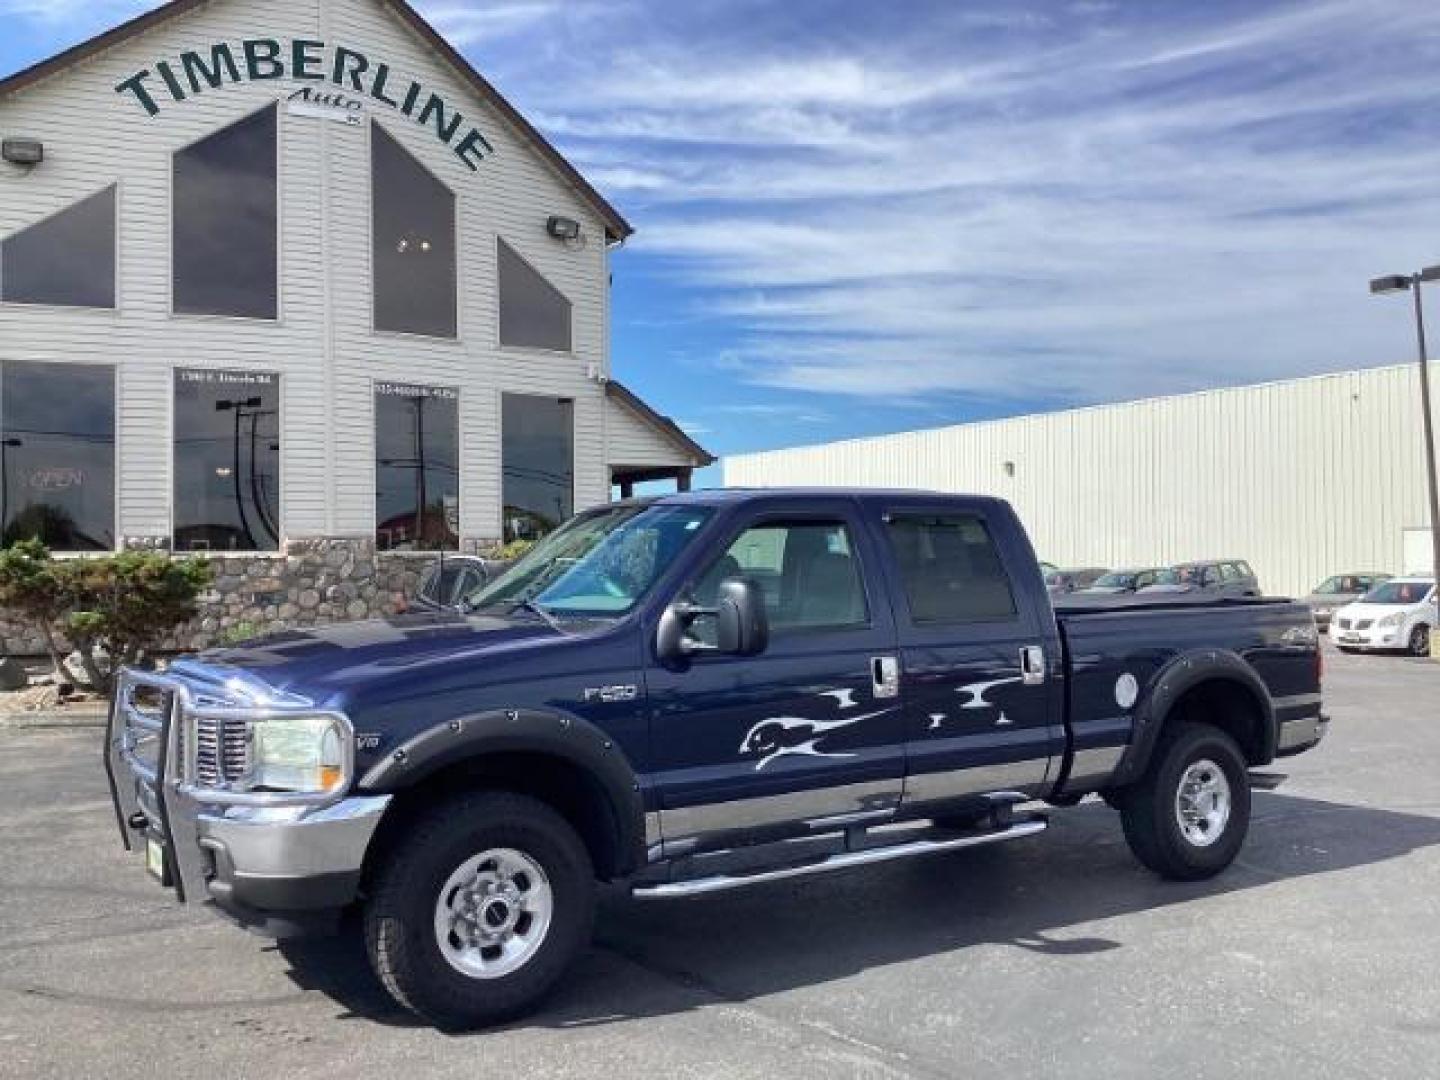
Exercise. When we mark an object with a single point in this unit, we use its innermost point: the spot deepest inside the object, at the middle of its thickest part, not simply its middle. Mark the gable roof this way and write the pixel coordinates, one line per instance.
(616, 227)
(663, 424)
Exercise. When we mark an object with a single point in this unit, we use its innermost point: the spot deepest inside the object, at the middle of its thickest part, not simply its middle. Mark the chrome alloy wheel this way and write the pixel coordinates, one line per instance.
(1202, 803)
(493, 913)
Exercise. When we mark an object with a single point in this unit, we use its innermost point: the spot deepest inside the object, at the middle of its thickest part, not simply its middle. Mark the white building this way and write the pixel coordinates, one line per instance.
(279, 277)
(1303, 478)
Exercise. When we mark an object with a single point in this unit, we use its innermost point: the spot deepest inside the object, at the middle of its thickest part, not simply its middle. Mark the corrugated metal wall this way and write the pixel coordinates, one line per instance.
(1303, 478)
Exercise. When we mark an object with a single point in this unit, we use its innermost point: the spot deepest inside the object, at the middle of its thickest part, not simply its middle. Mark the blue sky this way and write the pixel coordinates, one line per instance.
(863, 217)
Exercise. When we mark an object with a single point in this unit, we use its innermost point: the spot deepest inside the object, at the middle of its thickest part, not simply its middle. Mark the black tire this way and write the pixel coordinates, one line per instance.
(1420, 640)
(400, 911)
(1149, 811)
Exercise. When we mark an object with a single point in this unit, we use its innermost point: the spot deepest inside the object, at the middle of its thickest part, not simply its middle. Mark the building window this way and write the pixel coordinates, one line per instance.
(413, 235)
(67, 259)
(417, 468)
(533, 313)
(225, 214)
(227, 461)
(538, 460)
(57, 455)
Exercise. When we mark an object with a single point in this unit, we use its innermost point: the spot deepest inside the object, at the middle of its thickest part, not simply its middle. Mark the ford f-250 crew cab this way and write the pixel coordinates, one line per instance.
(688, 694)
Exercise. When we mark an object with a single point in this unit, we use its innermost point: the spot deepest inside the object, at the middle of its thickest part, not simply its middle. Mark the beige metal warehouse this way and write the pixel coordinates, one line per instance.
(1304, 478)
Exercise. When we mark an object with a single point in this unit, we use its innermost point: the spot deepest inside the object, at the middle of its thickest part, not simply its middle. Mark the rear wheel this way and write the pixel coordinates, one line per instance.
(1187, 817)
(478, 909)
(1420, 640)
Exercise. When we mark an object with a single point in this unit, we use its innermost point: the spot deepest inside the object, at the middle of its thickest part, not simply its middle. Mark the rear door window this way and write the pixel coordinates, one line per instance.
(951, 569)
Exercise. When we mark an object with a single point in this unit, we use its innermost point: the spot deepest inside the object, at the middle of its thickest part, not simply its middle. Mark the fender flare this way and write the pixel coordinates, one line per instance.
(549, 733)
(1181, 674)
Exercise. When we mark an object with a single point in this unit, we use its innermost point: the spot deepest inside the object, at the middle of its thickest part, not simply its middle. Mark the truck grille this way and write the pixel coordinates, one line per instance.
(222, 750)
(1364, 624)
(1344, 623)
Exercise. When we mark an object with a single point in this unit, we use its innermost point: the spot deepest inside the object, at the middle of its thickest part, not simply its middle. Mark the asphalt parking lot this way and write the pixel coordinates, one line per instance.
(1315, 956)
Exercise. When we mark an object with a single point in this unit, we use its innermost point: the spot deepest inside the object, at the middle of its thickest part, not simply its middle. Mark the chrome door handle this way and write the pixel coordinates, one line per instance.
(1032, 665)
(885, 677)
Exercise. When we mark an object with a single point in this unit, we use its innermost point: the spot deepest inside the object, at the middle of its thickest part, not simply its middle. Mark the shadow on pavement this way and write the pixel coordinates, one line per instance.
(772, 938)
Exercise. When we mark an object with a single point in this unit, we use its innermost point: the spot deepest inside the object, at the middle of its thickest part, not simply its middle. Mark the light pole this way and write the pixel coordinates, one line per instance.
(1399, 283)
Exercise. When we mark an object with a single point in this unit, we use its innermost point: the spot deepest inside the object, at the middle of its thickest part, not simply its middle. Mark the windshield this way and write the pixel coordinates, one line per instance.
(1115, 580)
(1329, 586)
(1398, 592)
(598, 564)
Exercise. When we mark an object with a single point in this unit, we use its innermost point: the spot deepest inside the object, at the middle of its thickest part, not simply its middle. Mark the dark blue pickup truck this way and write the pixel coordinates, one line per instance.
(684, 695)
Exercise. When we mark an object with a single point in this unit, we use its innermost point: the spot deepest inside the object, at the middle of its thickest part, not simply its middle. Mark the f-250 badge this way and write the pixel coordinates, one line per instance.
(786, 736)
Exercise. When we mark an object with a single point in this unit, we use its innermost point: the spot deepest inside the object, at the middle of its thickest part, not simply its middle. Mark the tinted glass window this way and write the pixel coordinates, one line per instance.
(225, 220)
(951, 569)
(227, 461)
(417, 467)
(538, 460)
(807, 571)
(57, 455)
(413, 234)
(66, 259)
(533, 313)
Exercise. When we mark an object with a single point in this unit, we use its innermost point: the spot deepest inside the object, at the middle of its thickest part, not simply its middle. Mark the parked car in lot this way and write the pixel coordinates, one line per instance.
(1398, 614)
(1220, 577)
(1059, 582)
(1335, 592)
(684, 695)
(1116, 582)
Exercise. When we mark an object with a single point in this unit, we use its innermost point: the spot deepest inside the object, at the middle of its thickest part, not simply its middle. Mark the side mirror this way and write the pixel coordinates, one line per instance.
(741, 625)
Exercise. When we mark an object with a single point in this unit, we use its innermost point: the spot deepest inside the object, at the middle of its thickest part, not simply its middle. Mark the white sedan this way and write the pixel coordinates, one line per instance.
(1400, 614)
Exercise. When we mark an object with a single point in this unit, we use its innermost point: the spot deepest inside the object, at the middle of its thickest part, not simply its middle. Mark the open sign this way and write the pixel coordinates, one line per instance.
(56, 479)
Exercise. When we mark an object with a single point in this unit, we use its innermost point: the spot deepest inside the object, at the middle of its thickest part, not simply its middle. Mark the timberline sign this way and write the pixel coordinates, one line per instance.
(304, 60)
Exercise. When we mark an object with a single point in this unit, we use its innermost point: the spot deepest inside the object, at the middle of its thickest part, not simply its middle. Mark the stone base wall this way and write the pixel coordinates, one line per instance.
(315, 581)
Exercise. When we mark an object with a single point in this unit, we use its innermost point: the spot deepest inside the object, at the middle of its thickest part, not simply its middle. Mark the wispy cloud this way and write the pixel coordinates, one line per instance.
(1007, 200)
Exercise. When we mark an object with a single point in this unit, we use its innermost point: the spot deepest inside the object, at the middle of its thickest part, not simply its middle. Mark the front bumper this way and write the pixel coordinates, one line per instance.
(1372, 637)
(270, 867)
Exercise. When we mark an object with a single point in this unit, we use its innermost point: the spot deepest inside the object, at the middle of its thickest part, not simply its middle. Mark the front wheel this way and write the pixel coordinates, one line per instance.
(478, 908)
(1420, 640)
(1188, 815)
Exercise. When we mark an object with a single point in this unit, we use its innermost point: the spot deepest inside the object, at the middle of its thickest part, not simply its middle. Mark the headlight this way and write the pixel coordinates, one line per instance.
(298, 753)
(1392, 620)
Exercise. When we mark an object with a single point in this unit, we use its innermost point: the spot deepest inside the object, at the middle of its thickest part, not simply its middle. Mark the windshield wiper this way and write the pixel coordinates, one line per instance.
(530, 605)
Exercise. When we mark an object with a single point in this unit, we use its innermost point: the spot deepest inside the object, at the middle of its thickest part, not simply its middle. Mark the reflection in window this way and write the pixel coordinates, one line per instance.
(417, 468)
(413, 233)
(227, 461)
(538, 460)
(225, 216)
(533, 313)
(806, 571)
(66, 259)
(57, 455)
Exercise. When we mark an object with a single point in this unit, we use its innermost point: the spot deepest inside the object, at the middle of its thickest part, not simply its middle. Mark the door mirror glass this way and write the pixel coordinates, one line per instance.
(742, 627)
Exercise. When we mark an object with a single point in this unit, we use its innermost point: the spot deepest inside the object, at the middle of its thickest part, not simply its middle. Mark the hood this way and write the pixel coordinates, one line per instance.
(1105, 590)
(1330, 600)
(1168, 589)
(1376, 611)
(319, 663)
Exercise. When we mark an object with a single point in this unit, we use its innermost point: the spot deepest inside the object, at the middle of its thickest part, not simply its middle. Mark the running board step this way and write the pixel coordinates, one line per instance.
(841, 861)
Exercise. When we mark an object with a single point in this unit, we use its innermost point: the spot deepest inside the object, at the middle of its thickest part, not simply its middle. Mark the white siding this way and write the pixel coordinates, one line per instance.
(322, 345)
(635, 441)
(1304, 478)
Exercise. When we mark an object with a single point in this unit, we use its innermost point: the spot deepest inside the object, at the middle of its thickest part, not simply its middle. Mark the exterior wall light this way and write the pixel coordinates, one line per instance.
(562, 228)
(23, 151)
(1009, 468)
